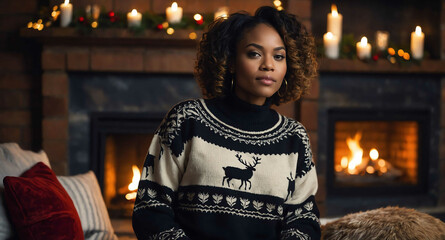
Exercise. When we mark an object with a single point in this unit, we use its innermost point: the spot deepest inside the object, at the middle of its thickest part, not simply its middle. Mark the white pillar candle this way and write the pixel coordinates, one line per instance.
(335, 20)
(417, 39)
(174, 13)
(134, 18)
(363, 49)
(330, 42)
(66, 13)
(222, 12)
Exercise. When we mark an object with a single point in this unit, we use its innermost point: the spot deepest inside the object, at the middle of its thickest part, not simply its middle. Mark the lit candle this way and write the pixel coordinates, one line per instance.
(66, 13)
(381, 38)
(134, 18)
(174, 13)
(335, 22)
(417, 39)
(222, 12)
(363, 49)
(330, 42)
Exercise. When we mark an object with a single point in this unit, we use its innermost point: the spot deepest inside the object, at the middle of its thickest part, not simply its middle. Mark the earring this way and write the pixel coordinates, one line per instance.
(231, 85)
(285, 88)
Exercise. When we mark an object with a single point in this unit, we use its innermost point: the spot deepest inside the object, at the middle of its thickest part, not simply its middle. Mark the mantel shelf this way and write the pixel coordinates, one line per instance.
(113, 37)
(381, 66)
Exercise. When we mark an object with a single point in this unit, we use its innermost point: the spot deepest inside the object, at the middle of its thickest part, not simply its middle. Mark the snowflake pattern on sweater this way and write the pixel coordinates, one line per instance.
(206, 178)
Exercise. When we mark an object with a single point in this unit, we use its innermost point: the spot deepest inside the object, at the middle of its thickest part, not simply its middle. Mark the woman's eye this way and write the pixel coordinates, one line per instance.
(253, 54)
(279, 57)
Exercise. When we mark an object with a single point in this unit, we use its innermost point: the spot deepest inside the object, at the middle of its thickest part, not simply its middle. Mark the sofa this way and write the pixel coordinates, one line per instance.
(37, 204)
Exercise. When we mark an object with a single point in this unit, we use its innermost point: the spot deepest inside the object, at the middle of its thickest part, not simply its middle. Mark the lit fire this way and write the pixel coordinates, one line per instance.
(356, 164)
(133, 186)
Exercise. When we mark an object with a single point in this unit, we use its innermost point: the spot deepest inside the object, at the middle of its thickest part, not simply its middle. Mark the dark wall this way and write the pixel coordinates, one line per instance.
(19, 76)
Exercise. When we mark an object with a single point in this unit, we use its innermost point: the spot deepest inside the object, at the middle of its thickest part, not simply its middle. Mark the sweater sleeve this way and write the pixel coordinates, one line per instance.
(153, 215)
(301, 219)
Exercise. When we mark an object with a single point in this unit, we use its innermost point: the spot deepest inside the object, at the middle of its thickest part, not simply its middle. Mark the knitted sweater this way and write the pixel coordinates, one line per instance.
(227, 169)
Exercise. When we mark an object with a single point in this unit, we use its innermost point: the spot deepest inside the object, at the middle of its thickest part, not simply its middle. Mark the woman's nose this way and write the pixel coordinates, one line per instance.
(267, 64)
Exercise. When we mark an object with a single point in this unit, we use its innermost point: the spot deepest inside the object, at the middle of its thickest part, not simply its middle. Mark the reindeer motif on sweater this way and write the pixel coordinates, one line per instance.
(242, 174)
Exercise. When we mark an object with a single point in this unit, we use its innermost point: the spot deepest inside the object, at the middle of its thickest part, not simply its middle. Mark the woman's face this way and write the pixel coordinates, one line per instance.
(260, 64)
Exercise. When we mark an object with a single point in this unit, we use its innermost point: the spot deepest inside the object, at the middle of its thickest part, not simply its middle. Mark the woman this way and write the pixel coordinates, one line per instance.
(228, 166)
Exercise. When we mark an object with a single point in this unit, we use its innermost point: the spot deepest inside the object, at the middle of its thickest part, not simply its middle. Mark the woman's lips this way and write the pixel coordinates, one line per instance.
(266, 80)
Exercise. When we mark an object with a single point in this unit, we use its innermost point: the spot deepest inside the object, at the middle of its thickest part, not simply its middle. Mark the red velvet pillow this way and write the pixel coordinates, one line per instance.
(39, 206)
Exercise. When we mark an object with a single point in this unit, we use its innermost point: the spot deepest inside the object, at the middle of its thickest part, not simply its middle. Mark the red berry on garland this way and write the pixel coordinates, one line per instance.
(200, 21)
(159, 26)
(113, 19)
(375, 57)
(111, 14)
(81, 19)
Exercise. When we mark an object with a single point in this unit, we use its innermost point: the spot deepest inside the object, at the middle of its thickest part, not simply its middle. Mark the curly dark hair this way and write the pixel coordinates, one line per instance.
(217, 53)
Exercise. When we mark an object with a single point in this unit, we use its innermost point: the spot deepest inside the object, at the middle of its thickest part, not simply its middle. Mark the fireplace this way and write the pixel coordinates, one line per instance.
(112, 119)
(119, 144)
(378, 140)
(377, 151)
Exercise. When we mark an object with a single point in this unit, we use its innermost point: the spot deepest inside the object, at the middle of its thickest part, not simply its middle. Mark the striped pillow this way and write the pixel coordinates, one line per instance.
(85, 192)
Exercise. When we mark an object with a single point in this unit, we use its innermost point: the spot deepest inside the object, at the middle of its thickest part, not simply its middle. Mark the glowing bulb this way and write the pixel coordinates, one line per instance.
(370, 169)
(192, 35)
(374, 154)
(381, 163)
(197, 17)
(170, 31)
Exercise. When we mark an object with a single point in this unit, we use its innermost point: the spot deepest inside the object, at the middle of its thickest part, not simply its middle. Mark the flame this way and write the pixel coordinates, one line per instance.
(357, 152)
(66, 2)
(334, 10)
(133, 186)
(174, 6)
(356, 164)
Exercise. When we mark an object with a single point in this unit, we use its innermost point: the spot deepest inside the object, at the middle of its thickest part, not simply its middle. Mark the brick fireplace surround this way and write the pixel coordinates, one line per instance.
(117, 51)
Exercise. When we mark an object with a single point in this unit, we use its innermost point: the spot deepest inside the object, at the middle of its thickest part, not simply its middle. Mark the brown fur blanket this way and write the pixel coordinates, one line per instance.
(390, 223)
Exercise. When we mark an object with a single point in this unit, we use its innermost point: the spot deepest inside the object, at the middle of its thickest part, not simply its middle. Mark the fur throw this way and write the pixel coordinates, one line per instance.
(390, 223)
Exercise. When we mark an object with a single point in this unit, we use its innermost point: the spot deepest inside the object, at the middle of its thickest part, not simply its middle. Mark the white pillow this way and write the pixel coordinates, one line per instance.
(13, 162)
(85, 192)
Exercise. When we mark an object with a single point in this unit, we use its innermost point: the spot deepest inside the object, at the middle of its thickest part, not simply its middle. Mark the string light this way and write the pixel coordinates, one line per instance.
(192, 35)
(170, 31)
(278, 5)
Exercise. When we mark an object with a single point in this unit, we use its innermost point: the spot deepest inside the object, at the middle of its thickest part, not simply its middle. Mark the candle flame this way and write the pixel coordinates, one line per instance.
(418, 30)
(334, 10)
(197, 17)
(329, 35)
(174, 6)
(364, 41)
(134, 12)
(67, 2)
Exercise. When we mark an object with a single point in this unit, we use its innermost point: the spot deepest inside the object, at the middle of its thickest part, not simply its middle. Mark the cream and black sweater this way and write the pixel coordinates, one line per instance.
(227, 169)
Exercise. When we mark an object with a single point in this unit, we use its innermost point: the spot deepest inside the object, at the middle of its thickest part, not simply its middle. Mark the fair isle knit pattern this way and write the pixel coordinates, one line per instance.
(225, 169)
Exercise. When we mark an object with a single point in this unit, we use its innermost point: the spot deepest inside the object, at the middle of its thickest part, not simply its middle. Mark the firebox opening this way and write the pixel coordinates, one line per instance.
(377, 152)
(369, 153)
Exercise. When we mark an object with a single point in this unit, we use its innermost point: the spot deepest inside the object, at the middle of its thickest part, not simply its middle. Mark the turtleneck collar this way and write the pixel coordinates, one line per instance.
(243, 115)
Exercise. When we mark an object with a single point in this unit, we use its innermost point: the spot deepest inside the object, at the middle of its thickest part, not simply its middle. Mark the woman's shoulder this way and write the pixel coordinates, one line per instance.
(294, 126)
